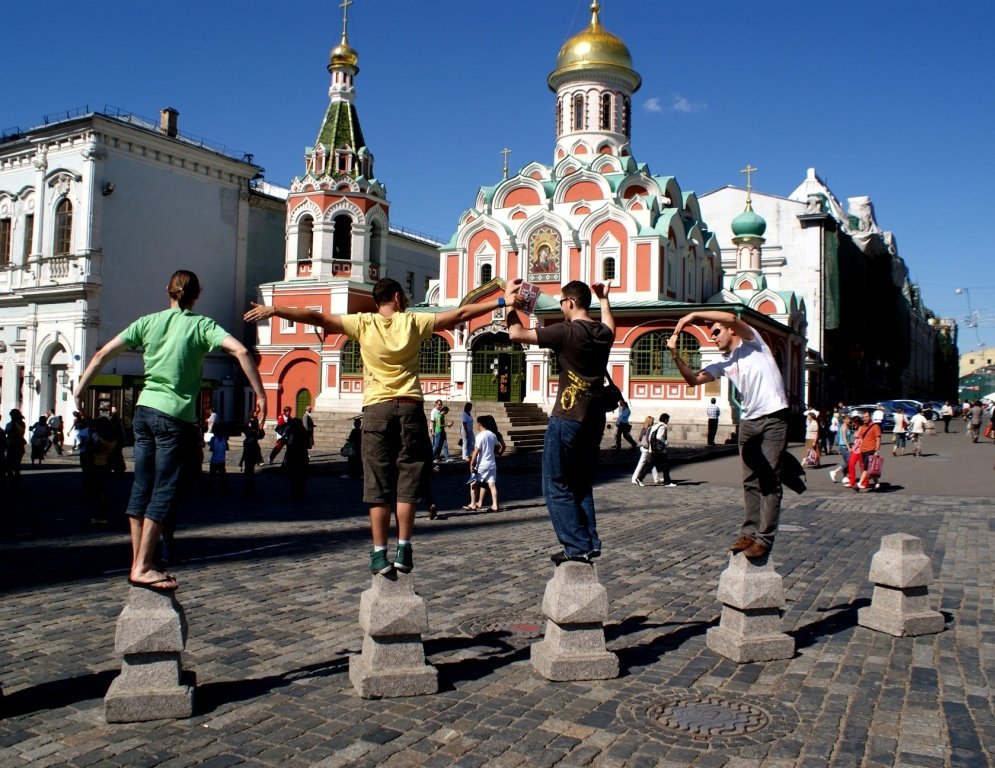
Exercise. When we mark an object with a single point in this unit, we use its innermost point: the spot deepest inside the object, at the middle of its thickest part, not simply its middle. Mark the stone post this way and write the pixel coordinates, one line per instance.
(392, 663)
(752, 596)
(901, 573)
(151, 633)
(573, 647)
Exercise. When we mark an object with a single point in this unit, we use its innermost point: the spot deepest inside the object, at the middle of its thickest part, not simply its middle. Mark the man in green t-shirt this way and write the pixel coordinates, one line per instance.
(396, 449)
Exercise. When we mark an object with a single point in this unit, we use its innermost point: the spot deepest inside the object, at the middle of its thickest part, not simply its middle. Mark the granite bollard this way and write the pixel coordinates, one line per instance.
(901, 573)
(151, 634)
(576, 606)
(392, 662)
(752, 596)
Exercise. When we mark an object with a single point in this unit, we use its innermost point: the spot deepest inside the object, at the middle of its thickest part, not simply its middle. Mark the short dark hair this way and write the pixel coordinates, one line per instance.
(184, 288)
(664, 417)
(579, 291)
(385, 289)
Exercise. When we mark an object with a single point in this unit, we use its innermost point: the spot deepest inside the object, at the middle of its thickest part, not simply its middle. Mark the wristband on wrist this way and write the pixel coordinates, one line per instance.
(501, 301)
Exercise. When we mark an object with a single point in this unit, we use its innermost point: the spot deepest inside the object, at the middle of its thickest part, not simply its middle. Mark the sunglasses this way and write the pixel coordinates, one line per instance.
(715, 332)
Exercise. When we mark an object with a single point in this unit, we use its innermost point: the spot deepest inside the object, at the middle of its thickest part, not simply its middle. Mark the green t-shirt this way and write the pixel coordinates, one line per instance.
(175, 342)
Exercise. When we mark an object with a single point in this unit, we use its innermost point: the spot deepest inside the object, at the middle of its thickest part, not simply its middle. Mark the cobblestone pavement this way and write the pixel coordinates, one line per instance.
(271, 592)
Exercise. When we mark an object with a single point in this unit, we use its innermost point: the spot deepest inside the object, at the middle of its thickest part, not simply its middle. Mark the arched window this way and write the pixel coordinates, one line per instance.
(608, 269)
(559, 116)
(352, 361)
(486, 273)
(342, 238)
(650, 356)
(305, 238)
(626, 110)
(579, 112)
(606, 112)
(433, 357)
(63, 227)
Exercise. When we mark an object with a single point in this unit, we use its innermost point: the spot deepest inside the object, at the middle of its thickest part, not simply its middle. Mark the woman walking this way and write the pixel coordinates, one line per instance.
(645, 455)
(174, 344)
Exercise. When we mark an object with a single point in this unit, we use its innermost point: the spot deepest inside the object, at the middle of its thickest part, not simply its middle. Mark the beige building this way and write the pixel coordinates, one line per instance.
(976, 359)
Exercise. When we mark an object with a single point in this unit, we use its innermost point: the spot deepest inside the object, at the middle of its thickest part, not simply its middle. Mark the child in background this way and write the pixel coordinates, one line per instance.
(252, 454)
(218, 445)
(488, 444)
(101, 444)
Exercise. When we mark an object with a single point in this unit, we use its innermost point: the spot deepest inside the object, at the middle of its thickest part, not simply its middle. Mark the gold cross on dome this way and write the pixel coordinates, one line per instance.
(749, 169)
(344, 5)
(505, 152)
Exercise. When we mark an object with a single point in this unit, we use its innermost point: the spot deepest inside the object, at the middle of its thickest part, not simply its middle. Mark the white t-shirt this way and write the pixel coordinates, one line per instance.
(484, 443)
(752, 369)
(918, 425)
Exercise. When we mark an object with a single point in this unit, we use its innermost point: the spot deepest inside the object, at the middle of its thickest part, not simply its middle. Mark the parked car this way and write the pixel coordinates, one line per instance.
(931, 409)
(889, 414)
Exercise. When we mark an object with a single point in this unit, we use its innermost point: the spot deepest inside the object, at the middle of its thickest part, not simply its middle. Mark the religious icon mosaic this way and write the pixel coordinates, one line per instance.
(545, 249)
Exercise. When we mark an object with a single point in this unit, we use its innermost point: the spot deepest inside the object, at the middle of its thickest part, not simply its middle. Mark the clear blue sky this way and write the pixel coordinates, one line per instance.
(888, 98)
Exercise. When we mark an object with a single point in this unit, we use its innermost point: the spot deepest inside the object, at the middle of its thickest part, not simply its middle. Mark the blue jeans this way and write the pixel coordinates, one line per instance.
(440, 446)
(161, 444)
(569, 457)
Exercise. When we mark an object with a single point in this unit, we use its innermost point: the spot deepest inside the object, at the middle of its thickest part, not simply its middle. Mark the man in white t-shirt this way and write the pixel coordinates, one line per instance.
(918, 429)
(763, 428)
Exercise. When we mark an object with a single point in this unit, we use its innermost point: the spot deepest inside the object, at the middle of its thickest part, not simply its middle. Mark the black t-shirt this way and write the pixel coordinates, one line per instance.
(581, 348)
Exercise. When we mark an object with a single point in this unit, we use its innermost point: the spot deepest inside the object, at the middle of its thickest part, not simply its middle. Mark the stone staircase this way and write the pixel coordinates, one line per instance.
(523, 425)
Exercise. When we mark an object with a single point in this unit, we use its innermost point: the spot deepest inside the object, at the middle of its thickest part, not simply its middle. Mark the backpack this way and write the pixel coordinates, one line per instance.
(658, 439)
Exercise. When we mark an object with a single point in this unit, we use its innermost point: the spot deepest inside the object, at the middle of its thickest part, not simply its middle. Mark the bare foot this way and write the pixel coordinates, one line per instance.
(154, 580)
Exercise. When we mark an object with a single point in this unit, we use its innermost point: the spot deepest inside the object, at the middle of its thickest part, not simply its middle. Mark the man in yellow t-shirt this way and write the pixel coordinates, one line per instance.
(396, 449)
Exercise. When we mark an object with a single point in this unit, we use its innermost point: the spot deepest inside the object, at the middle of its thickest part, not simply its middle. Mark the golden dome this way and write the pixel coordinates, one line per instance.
(596, 49)
(343, 54)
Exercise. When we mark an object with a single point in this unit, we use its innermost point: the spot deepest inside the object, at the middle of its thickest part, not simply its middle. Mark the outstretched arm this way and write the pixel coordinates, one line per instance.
(716, 316)
(237, 349)
(331, 323)
(106, 353)
(693, 378)
(446, 321)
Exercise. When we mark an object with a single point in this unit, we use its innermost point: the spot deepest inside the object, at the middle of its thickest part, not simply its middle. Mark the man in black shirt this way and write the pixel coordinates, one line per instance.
(573, 436)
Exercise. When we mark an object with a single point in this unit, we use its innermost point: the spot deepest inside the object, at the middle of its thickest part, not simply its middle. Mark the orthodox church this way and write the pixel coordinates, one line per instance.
(594, 214)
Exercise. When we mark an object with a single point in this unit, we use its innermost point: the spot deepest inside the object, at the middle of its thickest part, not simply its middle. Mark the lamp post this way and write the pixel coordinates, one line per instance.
(972, 316)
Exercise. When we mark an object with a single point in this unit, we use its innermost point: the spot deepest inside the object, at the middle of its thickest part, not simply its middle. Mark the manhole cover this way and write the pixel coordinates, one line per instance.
(710, 716)
(699, 719)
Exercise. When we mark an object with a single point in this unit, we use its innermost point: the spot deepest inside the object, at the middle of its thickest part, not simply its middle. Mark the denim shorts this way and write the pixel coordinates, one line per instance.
(162, 444)
(397, 452)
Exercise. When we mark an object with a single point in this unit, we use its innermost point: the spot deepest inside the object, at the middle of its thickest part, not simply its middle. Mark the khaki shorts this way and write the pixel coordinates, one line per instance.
(397, 452)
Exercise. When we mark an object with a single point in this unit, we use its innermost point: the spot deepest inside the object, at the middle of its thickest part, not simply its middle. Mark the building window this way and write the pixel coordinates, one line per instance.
(626, 109)
(29, 236)
(287, 326)
(608, 269)
(578, 112)
(433, 358)
(559, 116)
(342, 238)
(606, 112)
(5, 240)
(409, 285)
(63, 228)
(314, 328)
(554, 365)
(352, 361)
(486, 273)
(305, 238)
(650, 356)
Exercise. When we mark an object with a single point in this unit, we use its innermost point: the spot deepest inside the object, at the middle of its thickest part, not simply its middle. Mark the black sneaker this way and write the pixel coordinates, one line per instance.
(379, 562)
(403, 560)
(562, 557)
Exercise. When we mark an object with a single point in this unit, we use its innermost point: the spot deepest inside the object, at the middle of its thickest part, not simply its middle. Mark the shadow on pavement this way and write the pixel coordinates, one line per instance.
(845, 617)
(57, 694)
(480, 665)
(646, 653)
(211, 696)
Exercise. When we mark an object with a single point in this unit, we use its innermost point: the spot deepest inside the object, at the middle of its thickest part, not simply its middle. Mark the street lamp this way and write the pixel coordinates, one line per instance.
(972, 316)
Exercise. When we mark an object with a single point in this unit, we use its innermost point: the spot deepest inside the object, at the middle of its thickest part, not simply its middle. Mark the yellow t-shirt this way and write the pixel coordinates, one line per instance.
(389, 347)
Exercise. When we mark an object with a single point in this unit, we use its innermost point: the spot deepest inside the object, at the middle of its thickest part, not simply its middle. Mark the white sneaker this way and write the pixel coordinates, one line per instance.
(846, 481)
(832, 475)
(670, 485)
(639, 483)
